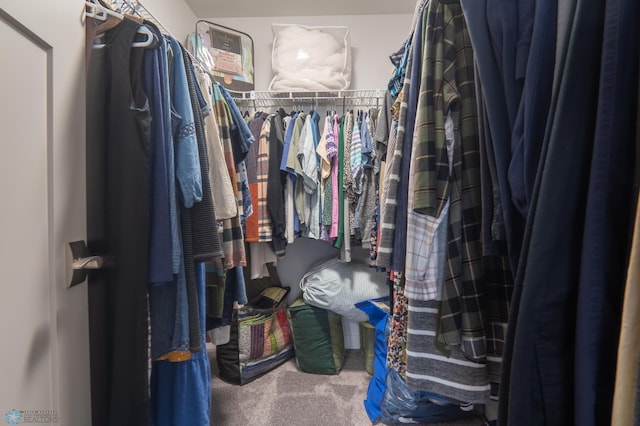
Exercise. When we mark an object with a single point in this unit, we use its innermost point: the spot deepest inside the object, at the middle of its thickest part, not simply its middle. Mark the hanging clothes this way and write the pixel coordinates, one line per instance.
(276, 182)
(325, 180)
(388, 199)
(333, 190)
(340, 192)
(119, 125)
(265, 228)
(309, 161)
(604, 252)
(539, 355)
(182, 390)
(348, 182)
(251, 224)
(169, 310)
(294, 167)
(290, 211)
(205, 241)
(502, 92)
(222, 191)
(232, 237)
(367, 203)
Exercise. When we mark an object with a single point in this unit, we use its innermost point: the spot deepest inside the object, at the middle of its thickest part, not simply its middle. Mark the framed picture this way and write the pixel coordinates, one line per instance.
(231, 55)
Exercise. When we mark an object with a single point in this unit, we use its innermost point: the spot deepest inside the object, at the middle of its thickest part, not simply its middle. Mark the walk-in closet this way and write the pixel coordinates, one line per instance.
(331, 213)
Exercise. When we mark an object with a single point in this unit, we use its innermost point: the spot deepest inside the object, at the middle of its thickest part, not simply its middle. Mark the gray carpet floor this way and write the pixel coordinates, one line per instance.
(286, 396)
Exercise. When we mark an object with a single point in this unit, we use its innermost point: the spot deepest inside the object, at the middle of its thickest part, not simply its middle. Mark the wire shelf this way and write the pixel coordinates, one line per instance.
(344, 98)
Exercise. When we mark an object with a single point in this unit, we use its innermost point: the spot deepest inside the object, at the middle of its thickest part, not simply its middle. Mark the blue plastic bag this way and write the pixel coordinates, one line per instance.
(389, 399)
(403, 405)
(378, 311)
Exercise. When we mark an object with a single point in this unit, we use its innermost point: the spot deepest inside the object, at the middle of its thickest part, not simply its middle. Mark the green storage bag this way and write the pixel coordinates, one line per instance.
(318, 338)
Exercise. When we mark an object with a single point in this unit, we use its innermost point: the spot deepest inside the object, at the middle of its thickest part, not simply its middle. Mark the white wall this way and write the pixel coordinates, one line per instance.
(373, 39)
(175, 15)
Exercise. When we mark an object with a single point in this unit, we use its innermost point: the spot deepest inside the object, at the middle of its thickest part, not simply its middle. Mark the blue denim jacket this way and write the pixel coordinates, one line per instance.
(186, 146)
(246, 137)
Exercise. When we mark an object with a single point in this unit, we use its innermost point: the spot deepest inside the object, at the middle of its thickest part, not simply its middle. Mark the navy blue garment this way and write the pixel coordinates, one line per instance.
(528, 130)
(609, 209)
(400, 239)
(241, 286)
(498, 31)
(291, 174)
(493, 234)
(160, 257)
(537, 386)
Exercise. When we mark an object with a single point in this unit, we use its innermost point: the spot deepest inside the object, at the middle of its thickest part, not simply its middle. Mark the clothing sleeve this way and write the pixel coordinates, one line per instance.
(188, 172)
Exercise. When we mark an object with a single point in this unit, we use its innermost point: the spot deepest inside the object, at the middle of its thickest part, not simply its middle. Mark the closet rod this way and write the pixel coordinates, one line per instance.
(352, 98)
(295, 96)
(343, 96)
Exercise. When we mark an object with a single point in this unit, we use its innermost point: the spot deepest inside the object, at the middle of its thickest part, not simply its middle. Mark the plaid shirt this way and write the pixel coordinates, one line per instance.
(251, 225)
(232, 237)
(221, 187)
(448, 86)
(265, 233)
(427, 240)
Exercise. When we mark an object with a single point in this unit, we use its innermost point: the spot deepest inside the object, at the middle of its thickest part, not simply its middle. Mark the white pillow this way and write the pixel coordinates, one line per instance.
(310, 58)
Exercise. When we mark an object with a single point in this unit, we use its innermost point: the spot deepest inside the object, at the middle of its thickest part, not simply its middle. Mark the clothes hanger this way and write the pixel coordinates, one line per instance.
(102, 13)
(99, 12)
(157, 37)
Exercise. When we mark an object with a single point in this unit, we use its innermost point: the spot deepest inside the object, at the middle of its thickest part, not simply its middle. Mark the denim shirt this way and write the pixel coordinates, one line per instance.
(168, 121)
(367, 142)
(291, 174)
(246, 138)
(186, 146)
(160, 267)
(243, 139)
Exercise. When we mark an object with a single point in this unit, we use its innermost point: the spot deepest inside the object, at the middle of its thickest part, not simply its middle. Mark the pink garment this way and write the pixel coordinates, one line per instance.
(333, 233)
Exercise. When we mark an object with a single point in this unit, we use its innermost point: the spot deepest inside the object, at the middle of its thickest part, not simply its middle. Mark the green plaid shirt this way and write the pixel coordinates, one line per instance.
(448, 87)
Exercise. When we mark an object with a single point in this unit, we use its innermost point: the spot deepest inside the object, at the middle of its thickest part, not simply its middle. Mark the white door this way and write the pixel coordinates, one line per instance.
(44, 355)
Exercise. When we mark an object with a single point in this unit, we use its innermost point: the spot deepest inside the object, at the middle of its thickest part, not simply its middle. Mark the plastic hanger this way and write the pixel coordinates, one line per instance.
(101, 13)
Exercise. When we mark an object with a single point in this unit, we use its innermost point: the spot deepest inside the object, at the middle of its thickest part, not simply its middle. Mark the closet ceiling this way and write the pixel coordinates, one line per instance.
(260, 8)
